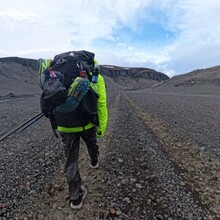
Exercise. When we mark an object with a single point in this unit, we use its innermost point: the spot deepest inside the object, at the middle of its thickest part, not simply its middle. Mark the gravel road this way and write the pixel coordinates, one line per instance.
(156, 161)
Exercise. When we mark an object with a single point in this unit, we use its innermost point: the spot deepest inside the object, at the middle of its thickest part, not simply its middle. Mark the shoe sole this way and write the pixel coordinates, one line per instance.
(97, 165)
(80, 205)
(94, 167)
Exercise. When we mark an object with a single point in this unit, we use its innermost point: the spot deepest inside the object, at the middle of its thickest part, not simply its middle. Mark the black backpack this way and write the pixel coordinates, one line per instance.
(58, 77)
(74, 63)
(54, 90)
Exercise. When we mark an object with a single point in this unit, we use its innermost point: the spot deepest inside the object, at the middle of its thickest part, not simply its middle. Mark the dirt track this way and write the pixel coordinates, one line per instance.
(148, 170)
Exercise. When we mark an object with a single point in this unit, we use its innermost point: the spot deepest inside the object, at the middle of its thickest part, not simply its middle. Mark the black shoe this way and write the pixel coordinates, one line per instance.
(77, 204)
(95, 163)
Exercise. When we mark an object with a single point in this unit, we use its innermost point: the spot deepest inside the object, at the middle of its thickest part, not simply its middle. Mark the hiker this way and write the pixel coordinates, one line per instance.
(82, 93)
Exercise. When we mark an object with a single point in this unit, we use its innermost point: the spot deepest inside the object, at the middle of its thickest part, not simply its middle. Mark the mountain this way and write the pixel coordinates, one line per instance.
(30, 63)
(133, 72)
(199, 76)
(198, 81)
(19, 76)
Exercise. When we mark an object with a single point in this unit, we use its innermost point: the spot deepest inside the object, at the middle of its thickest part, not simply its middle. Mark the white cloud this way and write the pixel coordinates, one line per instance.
(198, 43)
(37, 28)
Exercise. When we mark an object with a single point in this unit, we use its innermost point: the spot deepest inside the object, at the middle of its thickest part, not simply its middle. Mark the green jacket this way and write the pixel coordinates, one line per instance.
(100, 88)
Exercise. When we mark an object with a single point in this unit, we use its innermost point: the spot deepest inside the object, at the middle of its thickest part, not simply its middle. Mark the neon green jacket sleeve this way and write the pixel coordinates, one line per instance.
(102, 106)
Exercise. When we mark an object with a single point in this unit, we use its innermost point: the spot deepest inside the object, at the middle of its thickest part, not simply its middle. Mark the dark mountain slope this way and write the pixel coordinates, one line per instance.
(198, 81)
(133, 78)
(22, 61)
(133, 72)
(19, 76)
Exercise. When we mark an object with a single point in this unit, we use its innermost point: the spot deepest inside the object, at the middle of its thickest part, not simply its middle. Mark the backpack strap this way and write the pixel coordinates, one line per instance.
(53, 125)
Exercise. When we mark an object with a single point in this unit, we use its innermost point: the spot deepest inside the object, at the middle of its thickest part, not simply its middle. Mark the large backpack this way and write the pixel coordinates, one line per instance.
(72, 63)
(57, 79)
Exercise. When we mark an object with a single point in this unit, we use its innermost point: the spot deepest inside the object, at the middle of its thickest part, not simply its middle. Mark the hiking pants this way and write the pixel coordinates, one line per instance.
(71, 144)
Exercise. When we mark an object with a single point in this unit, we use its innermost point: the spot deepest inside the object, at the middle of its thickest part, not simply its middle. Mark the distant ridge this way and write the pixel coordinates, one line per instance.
(18, 76)
(199, 76)
(199, 81)
(108, 70)
(206, 73)
(23, 61)
(133, 72)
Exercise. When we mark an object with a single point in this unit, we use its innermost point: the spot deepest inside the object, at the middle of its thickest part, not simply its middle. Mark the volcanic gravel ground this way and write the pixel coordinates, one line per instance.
(187, 125)
(195, 115)
(28, 160)
(146, 168)
(143, 183)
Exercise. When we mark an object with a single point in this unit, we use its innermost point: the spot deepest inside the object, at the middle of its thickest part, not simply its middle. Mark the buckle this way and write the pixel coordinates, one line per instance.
(83, 74)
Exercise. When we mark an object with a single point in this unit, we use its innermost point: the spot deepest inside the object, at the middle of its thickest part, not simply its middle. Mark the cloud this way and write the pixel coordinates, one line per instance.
(198, 42)
(171, 36)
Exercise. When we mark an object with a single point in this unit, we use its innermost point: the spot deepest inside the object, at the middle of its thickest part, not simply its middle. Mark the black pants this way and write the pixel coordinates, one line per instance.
(71, 147)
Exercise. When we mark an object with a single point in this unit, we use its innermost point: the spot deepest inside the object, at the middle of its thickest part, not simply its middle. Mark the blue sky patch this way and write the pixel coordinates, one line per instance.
(146, 35)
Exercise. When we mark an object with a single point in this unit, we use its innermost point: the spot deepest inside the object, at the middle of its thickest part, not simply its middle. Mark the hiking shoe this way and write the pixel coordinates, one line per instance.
(77, 204)
(95, 163)
(79, 88)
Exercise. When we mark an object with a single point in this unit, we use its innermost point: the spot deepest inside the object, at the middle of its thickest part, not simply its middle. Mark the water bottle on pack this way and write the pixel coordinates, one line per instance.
(95, 73)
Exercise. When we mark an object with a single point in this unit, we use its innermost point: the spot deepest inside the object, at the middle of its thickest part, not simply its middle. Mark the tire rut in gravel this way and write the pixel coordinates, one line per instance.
(201, 169)
(142, 181)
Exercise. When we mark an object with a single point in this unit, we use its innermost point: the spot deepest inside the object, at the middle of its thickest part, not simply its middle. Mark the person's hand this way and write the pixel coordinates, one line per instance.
(99, 134)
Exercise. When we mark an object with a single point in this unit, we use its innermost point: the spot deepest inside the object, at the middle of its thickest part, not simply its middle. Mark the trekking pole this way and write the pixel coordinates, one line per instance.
(30, 122)
(23, 126)
(15, 129)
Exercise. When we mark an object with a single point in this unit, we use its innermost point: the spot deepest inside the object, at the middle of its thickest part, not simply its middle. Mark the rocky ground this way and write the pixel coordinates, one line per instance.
(159, 160)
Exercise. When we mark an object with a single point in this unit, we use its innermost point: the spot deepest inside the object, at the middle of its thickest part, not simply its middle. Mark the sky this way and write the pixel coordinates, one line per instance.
(170, 36)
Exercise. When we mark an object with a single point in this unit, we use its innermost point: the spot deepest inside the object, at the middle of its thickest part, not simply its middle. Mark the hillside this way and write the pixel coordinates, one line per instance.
(19, 76)
(197, 81)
